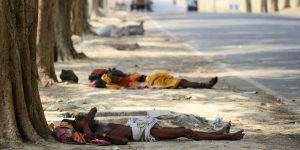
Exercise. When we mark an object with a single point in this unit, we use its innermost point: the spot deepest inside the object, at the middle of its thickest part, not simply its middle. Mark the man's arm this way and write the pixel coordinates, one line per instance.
(112, 139)
(88, 122)
(90, 116)
(89, 135)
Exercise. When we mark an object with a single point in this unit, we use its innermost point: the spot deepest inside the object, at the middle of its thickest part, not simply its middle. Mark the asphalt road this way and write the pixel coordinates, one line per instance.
(253, 51)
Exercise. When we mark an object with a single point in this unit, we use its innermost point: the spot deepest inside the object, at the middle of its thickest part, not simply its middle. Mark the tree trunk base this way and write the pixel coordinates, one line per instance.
(47, 81)
(22, 117)
(80, 55)
(64, 45)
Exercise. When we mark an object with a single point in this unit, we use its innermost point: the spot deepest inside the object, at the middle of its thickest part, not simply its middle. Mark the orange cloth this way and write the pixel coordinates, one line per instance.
(77, 136)
(130, 81)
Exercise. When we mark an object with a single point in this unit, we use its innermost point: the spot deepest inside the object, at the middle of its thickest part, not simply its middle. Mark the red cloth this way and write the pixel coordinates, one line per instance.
(68, 134)
(100, 142)
(128, 81)
(99, 71)
(64, 134)
(93, 84)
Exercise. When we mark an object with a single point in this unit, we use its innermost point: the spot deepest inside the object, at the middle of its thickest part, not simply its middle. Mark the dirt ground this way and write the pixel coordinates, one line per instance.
(268, 123)
(291, 12)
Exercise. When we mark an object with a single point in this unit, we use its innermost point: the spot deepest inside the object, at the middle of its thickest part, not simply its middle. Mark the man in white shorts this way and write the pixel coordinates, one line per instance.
(144, 129)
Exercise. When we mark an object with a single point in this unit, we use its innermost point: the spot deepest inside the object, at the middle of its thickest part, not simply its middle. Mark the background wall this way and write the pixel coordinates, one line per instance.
(235, 5)
(232, 6)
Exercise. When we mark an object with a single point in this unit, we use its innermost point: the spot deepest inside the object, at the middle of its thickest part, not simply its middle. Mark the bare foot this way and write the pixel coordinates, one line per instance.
(237, 135)
(226, 128)
(212, 82)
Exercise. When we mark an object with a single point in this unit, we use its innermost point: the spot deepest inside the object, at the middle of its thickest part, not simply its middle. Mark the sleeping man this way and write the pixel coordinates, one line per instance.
(140, 129)
(116, 79)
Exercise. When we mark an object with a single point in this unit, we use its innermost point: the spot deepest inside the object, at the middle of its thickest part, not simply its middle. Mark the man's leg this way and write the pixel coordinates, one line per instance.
(224, 130)
(167, 133)
(173, 133)
(126, 132)
(188, 84)
(196, 135)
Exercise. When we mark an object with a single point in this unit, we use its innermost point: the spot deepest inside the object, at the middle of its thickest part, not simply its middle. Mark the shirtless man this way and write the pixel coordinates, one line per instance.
(121, 134)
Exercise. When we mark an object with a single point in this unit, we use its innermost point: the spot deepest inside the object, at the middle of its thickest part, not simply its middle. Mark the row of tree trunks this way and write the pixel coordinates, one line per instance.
(79, 19)
(46, 43)
(54, 34)
(64, 46)
(21, 114)
(274, 5)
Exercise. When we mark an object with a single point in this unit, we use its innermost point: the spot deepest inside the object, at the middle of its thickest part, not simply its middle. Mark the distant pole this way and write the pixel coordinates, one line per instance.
(274, 4)
(264, 6)
(287, 4)
(249, 6)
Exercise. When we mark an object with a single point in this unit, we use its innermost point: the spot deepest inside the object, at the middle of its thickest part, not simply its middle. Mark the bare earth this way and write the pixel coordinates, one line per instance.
(291, 12)
(268, 123)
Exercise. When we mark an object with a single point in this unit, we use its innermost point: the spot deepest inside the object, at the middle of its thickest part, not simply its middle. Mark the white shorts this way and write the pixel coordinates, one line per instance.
(141, 128)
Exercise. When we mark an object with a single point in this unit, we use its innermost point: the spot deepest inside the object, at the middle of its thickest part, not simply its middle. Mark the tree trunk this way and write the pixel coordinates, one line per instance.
(274, 4)
(248, 6)
(46, 43)
(287, 4)
(101, 3)
(264, 6)
(62, 31)
(21, 113)
(94, 9)
(79, 21)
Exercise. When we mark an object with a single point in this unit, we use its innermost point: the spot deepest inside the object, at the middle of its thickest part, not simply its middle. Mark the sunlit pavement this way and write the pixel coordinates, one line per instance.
(262, 49)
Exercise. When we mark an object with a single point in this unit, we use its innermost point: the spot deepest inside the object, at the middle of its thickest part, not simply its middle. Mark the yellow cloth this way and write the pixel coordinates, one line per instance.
(106, 78)
(162, 80)
(66, 125)
(77, 137)
(109, 83)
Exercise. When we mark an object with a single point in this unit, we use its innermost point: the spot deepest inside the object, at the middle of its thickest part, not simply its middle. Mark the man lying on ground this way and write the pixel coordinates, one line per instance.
(138, 129)
(116, 79)
(145, 129)
(116, 32)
